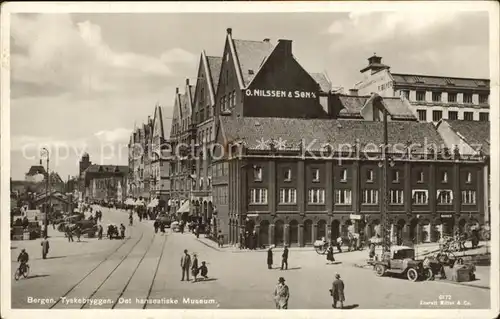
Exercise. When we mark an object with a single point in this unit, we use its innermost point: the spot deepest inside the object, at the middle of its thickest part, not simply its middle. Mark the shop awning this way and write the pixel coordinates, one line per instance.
(129, 201)
(185, 207)
(153, 203)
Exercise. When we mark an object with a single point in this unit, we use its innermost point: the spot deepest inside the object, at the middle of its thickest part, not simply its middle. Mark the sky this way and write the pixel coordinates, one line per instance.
(80, 82)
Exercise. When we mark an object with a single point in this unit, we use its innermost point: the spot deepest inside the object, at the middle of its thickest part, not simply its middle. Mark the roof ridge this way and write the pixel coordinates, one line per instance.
(261, 41)
(439, 76)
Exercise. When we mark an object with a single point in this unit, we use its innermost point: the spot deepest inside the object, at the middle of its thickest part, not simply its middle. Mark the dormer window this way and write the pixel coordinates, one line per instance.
(343, 175)
(468, 180)
(369, 176)
(287, 175)
(420, 177)
(444, 177)
(250, 72)
(257, 173)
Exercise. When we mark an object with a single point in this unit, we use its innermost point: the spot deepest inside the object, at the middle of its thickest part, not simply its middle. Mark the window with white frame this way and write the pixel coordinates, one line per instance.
(343, 197)
(257, 173)
(469, 197)
(420, 177)
(234, 99)
(316, 196)
(288, 195)
(370, 196)
(315, 175)
(444, 197)
(468, 179)
(258, 196)
(287, 174)
(343, 175)
(444, 177)
(369, 175)
(396, 196)
(395, 176)
(420, 196)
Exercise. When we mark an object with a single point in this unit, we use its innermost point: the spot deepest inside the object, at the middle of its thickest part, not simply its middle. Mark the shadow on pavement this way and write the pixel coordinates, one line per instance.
(351, 306)
(56, 257)
(334, 263)
(36, 276)
(208, 279)
(293, 268)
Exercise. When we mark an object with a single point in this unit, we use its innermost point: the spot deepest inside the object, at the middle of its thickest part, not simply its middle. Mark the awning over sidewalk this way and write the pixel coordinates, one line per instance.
(153, 203)
(185, 207)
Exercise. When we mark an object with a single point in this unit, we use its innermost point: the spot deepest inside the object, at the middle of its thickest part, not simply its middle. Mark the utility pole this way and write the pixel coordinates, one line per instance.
(47, 196)
(386, 223)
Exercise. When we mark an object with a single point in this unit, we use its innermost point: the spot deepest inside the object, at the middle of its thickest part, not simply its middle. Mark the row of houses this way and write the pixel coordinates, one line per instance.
(260, 143)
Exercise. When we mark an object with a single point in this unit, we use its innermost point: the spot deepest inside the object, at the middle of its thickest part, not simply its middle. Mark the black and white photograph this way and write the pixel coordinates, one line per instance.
(339, 157)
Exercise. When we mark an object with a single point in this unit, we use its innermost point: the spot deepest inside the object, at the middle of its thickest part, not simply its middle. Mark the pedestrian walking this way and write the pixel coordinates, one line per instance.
(194, 268)
(371, 254)
(197, 231)
(99, 232)
(329, 254)
(45, 247)
(281, 294)
(270, 257)
(162, 227)
(185, 265)
(78, 233)
(284, 258)
(204, 270)
(130, 219)
(220, 239)
(69, 233)
(339, 244)
(181, 226)
(156, 225)
(337, 292)
(122, 231)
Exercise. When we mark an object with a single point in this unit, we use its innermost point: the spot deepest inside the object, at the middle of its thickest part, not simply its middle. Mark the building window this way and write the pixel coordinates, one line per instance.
(444, 197)
(343, 197)
(420, 95)
(468, 179)
(405, 94)
(316, 196)
(343, 175)
(315, 175)
(370, 197)
(469, 197)
(420, 177)
(258, 196)
(452, 97)
(468, 116)
(395, 176)
(452, 115)
(437, 116)
(484, 117)
(257, 173)
(369, 176)
(444, 177)
(288, 195)
(233, 102)
(483, 99)
(422, 115)
(436, 96)
(287, 174)
(396, 196)
(420, 197)
(468, 98)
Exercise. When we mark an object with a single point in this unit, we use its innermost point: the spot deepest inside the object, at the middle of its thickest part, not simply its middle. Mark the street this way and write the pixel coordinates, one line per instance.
(105, 274)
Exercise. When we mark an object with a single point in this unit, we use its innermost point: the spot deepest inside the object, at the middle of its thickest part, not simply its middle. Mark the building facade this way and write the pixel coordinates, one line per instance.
(432, 97)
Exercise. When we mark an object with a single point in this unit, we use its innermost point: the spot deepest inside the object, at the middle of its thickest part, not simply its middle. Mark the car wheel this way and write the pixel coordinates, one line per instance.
(379, 270)
(412, 274)
(429, 275)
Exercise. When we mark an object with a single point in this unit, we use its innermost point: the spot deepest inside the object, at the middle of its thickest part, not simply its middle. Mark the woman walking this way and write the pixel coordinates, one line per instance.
(329, 255)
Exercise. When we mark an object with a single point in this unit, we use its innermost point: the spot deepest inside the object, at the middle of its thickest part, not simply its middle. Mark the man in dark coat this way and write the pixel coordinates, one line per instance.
(99, 232)
(185, 265)
(194, 268)
(284, 258)
(45, 247)
(338, 292)
(156, 225)
(270, 258)
(69, 233)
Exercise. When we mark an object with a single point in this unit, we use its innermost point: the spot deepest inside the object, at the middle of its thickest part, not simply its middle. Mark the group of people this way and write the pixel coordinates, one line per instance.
(282, 293)
(249, 240)
(188, 264)
(284, 258)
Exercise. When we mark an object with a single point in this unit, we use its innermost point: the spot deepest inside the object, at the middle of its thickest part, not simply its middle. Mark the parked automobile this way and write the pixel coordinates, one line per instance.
(400, 261)
(175, 226)
(163, 217)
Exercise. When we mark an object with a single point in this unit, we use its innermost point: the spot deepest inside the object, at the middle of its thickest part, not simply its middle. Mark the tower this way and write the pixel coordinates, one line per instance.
(84, 162)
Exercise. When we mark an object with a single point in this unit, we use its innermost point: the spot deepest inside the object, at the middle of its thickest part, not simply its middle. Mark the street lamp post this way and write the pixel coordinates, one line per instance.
(48, 198)
(386, 224)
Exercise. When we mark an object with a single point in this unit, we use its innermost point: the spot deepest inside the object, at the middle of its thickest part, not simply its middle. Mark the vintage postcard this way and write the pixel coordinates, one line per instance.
(250, 159)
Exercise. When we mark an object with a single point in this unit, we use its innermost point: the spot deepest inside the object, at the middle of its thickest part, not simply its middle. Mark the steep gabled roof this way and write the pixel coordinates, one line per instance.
(214, 66)
(323, 81)
(337, 133)
(177, 114)
(96, 168)
(474, 133)
(416, 79)
(36, 169)
(166, 121)
(250, 56)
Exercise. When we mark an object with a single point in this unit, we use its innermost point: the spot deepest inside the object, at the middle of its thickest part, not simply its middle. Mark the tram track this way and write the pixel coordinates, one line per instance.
(91, 272)
(156, 272)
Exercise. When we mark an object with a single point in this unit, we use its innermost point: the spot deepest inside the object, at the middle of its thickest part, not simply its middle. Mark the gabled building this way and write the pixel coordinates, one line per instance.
(105, 183)
(432, 97)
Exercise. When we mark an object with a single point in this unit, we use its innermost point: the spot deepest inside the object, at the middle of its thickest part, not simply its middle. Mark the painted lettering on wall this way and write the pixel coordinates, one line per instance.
(281, 94)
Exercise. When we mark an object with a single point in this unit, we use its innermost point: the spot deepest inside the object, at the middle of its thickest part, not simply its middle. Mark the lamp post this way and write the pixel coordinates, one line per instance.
(45, 151)
(386, 224)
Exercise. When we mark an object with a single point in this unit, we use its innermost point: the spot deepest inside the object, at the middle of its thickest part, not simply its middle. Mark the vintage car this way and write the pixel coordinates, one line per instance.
(175, 226)
(400, 261)
(165, 219)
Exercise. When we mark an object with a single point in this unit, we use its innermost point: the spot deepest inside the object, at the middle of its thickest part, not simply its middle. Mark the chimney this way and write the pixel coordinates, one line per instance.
(286, 46)
(187, 82)
(40, 161)
(266, 40)
(229, 31)
(353, 92)
(177, 90)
